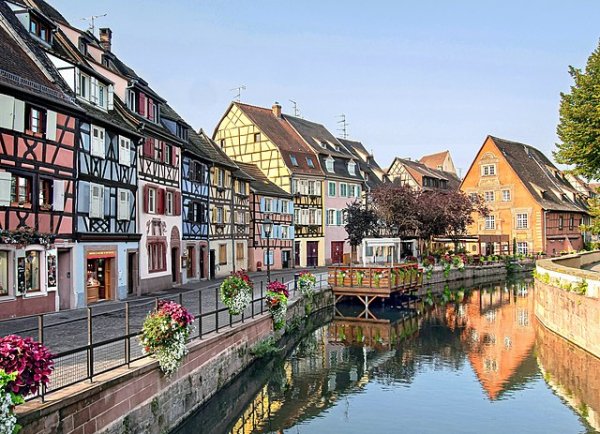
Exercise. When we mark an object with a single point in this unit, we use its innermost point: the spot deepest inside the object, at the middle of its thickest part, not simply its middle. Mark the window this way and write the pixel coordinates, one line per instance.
(310, 163)
(329, 164)
(522, 222)
(157, 256)
(222, 254)
(490, 222)
(331, 217)
(522, 248)
(168, 154)
(123, 210)
(198, 172)
(84, 84)
(28, 280)
(352, 168)
(285, 232)
(220, 178)
(35, 119)
(473, 197)
(293, 160)
(351, 190)
(488, 170)
(82, 46)
(312, 216)
(343, 190)
(20, 190)
(560, 222)
(506, 195)
(102, 95)
(239, 251)
(3, 273)
(571, 222)
(295, 186)
(131, 100)
(152, 201)
(285, 207)
(96, 201)
(358, 191)
(331, 189)
(268, 205)
(169, 203)
(489, 196)
(311, 188)
(124, 151)
(45, 193)
(97, 148)
(219, 215)
(257, 137)
(39, 29)
(241, 187)
(269, 259)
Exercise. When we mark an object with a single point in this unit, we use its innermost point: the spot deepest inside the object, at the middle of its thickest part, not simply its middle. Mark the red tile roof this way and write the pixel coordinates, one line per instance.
(433, 161)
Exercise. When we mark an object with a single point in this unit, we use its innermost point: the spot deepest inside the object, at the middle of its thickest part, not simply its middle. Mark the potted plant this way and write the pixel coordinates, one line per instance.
(164, 334)
(236, 292)
(377, 277)
(277, 299)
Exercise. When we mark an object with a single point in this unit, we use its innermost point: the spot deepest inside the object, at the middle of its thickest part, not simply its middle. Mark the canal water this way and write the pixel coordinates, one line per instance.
(472, 360)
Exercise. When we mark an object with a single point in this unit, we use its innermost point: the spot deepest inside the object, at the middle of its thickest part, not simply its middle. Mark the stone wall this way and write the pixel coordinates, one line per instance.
(474, 272)
(141, 399)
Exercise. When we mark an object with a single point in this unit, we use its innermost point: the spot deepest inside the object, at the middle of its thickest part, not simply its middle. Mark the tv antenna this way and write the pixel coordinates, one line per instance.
(92, 21)
(296, 111)
(239, 90)
(343, 126)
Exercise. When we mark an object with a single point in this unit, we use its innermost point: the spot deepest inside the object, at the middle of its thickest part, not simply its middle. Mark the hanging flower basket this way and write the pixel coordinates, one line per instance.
(307, 282)
(164, 335)
(377, 277)
(25, 236)
(277, 299)
(236, 292)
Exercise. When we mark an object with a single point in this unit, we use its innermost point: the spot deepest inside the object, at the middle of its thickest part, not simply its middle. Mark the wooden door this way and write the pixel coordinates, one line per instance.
(297, 253)
(191, 262)
(337, 252)
(64, 279)
(312, 253)
(108, 279)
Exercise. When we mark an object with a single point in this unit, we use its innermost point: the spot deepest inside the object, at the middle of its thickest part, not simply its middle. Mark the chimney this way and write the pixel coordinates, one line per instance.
(276, 110)
(106, 38)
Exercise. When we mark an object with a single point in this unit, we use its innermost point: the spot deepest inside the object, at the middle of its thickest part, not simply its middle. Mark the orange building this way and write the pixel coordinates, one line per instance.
(533, 207)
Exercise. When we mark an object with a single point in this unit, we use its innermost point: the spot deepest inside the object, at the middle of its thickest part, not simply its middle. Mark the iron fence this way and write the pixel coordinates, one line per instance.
(95, 340)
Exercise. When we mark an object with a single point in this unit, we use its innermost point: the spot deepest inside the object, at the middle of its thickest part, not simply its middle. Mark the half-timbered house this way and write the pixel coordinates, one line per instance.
(105, 261)
(38, 123)
(343, 184)
(264, 137)
(267, 200)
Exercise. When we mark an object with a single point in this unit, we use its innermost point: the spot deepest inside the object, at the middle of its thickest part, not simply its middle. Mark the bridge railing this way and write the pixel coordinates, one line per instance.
(391, 277)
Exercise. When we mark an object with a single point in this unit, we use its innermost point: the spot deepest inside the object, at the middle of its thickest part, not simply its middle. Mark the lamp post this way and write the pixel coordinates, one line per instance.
(268, 227)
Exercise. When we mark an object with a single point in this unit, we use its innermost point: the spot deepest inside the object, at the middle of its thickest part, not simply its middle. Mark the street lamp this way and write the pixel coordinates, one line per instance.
(268, 227)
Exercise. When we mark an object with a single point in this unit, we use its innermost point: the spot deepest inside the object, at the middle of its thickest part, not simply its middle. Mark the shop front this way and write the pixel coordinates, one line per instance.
(100, 269)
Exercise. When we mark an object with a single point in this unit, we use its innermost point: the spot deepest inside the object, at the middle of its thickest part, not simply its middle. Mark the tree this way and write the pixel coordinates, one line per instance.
(459, 211)
(361, 222)
(579, 126)
(396, 206)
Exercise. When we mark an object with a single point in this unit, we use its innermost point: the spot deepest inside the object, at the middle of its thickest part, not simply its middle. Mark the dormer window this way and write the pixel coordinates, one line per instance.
(352, 168)
(310, 163)
(131, 99)
(82, 46)
(323, 144)
(84, 86)
(294, 160)
(39, 29)
(329, 164)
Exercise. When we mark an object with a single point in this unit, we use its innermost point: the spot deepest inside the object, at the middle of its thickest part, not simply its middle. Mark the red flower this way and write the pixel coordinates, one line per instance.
(30, 359)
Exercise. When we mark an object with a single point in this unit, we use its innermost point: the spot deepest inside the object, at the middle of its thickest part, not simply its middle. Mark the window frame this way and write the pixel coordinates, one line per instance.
(40, 127)
(294, 160)
(152, 198)
(492, 194)
(490, 222)
(522, 221)
(488, 170)
(506, 195)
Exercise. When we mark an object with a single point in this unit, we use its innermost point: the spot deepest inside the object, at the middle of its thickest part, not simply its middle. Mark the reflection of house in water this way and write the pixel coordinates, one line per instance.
(500, 337)
(571, 372)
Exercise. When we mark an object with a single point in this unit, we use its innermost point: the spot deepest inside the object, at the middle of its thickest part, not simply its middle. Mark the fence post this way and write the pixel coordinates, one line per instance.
(200, 313)
(217, 310)
(90, 345)
(127, 339)
(42, 390)
(261, 297)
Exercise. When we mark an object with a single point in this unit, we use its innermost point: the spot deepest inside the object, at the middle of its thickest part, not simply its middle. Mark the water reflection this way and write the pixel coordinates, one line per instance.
(441, 356)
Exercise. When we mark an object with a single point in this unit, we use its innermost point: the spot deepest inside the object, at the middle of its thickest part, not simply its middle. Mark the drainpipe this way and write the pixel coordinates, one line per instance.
(544, 239)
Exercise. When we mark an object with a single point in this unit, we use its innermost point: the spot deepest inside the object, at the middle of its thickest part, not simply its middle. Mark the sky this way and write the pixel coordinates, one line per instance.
(411, 77)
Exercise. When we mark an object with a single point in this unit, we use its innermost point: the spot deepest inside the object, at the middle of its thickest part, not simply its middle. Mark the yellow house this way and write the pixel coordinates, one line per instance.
(533, 207)
(264, 137)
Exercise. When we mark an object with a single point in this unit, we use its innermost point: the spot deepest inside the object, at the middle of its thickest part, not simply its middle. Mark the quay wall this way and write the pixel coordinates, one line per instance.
(561, 304)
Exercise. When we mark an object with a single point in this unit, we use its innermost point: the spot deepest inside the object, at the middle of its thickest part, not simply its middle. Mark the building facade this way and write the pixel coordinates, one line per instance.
(264, 137)
(533, 208)
(439, 161)
(418, 176)
(267, 200)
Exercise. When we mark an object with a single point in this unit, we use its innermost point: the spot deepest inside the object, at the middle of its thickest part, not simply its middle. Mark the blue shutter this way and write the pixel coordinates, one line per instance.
(338, 214)
(291, 232)
(262, 204)
(291, 207)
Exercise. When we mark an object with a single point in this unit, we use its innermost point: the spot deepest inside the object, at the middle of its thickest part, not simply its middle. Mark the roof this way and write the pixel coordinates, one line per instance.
(282, 135)
(545, 182)
(375, 174)
(47, 10)
(260, 183)
(419, 170)
(212, 150)
(434, 161)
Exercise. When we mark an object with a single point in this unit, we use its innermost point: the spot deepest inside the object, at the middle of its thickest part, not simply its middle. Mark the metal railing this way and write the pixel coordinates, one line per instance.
(92, 341)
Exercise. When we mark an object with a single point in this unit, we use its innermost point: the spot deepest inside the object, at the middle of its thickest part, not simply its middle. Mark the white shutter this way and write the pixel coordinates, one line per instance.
(97, 145)
(51, 125)
(93, 90)
(96, 201)
(124, 151)
(58, 195)
(123, 204)
(7, 106)
(318, 188)
(319, 217)
(111, 97)
(19, 116)
(101, 202)
(5, 184)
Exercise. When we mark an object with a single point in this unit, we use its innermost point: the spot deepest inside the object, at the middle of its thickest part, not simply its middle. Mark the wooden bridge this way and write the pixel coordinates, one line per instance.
(369, 282)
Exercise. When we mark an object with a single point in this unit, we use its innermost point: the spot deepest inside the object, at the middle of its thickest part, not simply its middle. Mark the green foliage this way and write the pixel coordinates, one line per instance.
(265, 348)
(579, 125)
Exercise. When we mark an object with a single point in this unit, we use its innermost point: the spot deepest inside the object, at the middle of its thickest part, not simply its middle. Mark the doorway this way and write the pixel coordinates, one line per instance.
(312, 253)
(202, 262)
(191, 262)
(297, 253)
(174, 265)
(65, 284)
(213, 264)
(132, 272)
(337, 252)
(285, 259)
(99, 282)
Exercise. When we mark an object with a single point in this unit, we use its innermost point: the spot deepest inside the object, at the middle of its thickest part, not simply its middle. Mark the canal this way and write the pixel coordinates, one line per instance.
(472, 360)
